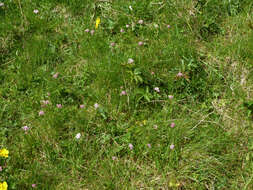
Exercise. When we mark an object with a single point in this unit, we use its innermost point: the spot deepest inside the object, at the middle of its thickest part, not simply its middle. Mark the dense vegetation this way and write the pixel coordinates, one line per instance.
(102, 94)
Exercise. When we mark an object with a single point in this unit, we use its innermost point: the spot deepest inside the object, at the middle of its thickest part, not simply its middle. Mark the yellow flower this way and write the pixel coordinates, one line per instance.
(3, 186)
(97, 22)
(4, 153)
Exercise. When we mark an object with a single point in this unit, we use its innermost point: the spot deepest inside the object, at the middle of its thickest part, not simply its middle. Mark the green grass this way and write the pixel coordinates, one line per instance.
(208, 41)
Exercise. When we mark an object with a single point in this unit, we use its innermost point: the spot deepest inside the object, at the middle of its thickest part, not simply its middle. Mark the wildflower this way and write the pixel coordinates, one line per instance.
(130, 60)
(33, 185)
(180, 74)
(55, 75)
(44, 102)
(59, 105)
(113, 44)
(127, 26)
(149, 145)
(122, 30)
(140, 21)
(130, 7)
(168, 26)
(114, 158)
(170, 97)
(172, 146)
(172, 125)
(131, 146)
(1, 4)
(87, 30)
(152, 73)
(3, 186)
(140, 43)
(156, 25)
(78, 136)
(155, 126)
(81, 106)
(1, 169)
(4, 153)
(25, 128)
(123, 93)
(36, 11)
(41, 112)
(96, 105)
(92, 32)
(97, 22)
(48, 94)
(157, 89)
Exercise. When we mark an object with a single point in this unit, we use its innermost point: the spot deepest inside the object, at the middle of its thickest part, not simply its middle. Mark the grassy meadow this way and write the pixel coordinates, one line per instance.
(126, 94)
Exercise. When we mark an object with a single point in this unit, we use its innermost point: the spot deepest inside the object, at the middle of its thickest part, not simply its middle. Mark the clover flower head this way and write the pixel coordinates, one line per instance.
(41, 112)
(96, 105)
(157, 89)
(140, 21)
(123, 93)
(140, 43)
(78, 136)
(130, 60)
(35, 11)
(170, 97)
(58, 105)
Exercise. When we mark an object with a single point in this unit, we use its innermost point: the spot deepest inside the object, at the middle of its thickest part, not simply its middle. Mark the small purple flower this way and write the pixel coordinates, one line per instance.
(96, 105)
(130, 61)
(168, 26)
(155, 126)
(140, 43)
(78, 136)
(157, 89)
(131, 146)
(33, 185)
(170, 97)
(152, 73)
(41, 112)
(123, 93)
(113, 44)
(180, 74)
(127, 26)
(55, 75)
(140, 21)
(48, 94)
(1, 4)
(87, 30)
(58, 105)
(122, 30)
(1, 169)
(35, 11)
(81, 106)
(25, 128)
(172, 125)
(149, 145)
(92, 32)
(172, 146)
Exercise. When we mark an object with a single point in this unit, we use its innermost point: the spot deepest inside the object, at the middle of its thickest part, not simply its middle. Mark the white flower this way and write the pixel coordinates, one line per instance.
(36, 11)
(96, 105)
(130, 60)
(157, 89)
(1, 4)
(78, 135)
